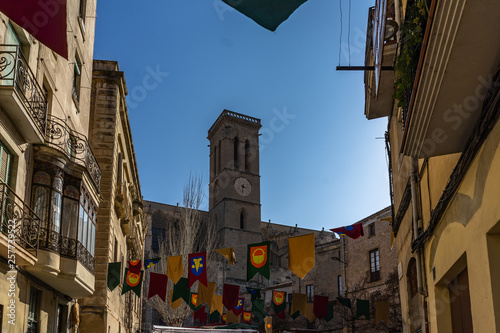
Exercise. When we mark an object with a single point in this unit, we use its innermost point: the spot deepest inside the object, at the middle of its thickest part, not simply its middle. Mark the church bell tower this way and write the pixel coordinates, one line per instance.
(234, 197)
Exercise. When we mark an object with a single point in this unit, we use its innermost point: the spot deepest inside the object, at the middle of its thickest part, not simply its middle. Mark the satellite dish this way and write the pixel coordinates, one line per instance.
(391, 28)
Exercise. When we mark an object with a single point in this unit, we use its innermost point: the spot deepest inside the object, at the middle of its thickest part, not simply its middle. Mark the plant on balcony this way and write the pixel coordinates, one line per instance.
(412, 35)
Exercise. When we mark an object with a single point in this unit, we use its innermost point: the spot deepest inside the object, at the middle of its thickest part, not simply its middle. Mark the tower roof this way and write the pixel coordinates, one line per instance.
(235, 117)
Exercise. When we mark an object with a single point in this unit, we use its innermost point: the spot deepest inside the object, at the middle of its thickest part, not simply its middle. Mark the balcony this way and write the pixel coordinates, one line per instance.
(19, 228)
(380, 53)
(453, 69)
(21, 98)
(74, 145)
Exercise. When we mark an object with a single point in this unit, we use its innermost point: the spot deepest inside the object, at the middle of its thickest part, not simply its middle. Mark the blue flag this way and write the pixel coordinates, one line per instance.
(148, 263)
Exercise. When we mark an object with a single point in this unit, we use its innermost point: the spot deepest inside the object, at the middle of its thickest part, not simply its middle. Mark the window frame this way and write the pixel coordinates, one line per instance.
(310, 293)
(374, 256)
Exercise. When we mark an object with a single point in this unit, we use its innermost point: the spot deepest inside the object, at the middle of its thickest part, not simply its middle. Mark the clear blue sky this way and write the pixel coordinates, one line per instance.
(324, 168)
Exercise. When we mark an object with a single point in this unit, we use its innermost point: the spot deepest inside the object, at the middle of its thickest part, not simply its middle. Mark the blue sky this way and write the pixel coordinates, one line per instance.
(324, 167)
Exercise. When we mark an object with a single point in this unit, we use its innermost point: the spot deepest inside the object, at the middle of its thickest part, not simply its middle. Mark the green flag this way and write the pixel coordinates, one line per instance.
(363, 308)
(132, 282)
(254, 293)
(181, 290)
(214, 317)
(258, 260)
(258, 310)
(345, 301)
(114, 270)
(329, 314)
(293, 315)
(279, 301)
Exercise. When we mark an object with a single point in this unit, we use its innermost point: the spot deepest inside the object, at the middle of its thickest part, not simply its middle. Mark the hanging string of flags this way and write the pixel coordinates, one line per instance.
(301, 260)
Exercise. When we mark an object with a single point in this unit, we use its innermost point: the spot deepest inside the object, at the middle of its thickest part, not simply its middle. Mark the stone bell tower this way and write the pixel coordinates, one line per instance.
(234, 197)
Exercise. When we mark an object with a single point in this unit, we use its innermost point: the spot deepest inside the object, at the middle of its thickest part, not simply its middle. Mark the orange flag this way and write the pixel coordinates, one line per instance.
(229, 254)
(299, 302)
(216, 304)
(309, 314)
(301, 254)
(206, 294)
(232, 318)
(174, 268)
(175, 304)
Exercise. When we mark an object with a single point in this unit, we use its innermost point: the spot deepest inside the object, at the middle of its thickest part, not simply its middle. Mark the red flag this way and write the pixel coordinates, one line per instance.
(320, 307)
(281, 315)
(238, 309)
(230, 296)
(201, 315)
(353, 231)
(197, 268)
(157, 285)
(45, 20)
(134, 266)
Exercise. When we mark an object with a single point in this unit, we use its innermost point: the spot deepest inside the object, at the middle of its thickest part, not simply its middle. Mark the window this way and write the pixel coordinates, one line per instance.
(339, 284)
(219, 164)
(47, 200)
(86, 223)
(371, 229)
(310, 293)
(115, 251)
(82, 9)
(242, 219)
(5, 164)
(235, 151)
(247, 156)
(412, 278)
(34, 310)
(374, 265)
(215, 161)
(60, 314)
(77, 79)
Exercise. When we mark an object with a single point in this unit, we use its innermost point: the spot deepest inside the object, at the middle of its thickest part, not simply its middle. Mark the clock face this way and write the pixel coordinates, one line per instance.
(242, 186)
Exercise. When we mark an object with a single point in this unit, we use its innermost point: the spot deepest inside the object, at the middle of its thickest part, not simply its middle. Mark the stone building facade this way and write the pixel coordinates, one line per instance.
(120, 224)
(50, 179)
(443, 140)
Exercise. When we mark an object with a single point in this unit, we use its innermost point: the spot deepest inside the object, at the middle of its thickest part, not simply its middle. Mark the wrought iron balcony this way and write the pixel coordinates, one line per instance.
(19, 220)
(74, 145)
(20, 95)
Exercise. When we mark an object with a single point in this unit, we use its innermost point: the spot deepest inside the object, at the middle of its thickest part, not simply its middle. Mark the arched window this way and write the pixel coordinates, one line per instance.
(247, 155)
(235, 150)
(412, 278)
(242, 219)
(215, 161)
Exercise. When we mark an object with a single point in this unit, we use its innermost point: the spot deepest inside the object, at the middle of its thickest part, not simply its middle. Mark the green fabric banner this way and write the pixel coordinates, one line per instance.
(363, 308)
(133, 282)
(258, 310)
(114, 272)
(279, 301)
(345, 301)
(329, 315)
(215, 317)
(258, 260)
(181, 290)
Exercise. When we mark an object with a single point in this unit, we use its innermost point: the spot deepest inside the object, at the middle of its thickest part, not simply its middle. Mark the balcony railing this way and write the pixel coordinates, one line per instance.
(15, 72)
(74, 145)
(18, 219)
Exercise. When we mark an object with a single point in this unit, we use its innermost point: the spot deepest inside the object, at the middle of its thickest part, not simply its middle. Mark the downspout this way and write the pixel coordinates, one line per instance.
(416, 232)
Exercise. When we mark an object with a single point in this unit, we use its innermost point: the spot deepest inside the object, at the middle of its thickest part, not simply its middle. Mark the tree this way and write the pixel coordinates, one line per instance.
(192, 232)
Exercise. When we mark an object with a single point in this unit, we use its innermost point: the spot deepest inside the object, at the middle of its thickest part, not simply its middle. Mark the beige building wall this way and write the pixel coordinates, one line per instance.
(120, 222)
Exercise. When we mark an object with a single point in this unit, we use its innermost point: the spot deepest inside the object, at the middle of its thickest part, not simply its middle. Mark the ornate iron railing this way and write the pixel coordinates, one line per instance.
(84, 256)
(15, 72)
(74, 145)
(17, 218)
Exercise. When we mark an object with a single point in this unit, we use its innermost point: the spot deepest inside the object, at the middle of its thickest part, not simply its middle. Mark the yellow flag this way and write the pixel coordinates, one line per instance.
(216, 304)
(177, 302)
(206, 294)
(232, 318)
(229, 254)
(301, 254)
(174, 268)
(382, 312)
(299, 302)
(309, 312)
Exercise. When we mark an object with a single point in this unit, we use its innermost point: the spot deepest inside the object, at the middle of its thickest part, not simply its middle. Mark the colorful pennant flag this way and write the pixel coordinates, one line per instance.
(238, 309)
(224, 318)
(201, 315)
(258, 260)
(279, 303)
(232, 318)
(362, 308)
(206, 294)
(258, 310)
(181, 290)
(114, 272)
(353, 231)
(344, 301)
(254, 293)
(329, 314)
(281, 315)
(148, 263)
(247, 316)
(193, 302)
(135, 266)
(230, 295)
(299, 303)
(320, 308)
(215, 317)
(45, 20)
(382, 312)
(132, 282)
(197, 268)
(229, 254)
(157, 285)
(309, 312)
(174, 268)
(175, 304)
(216, 304)
(301, 254)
